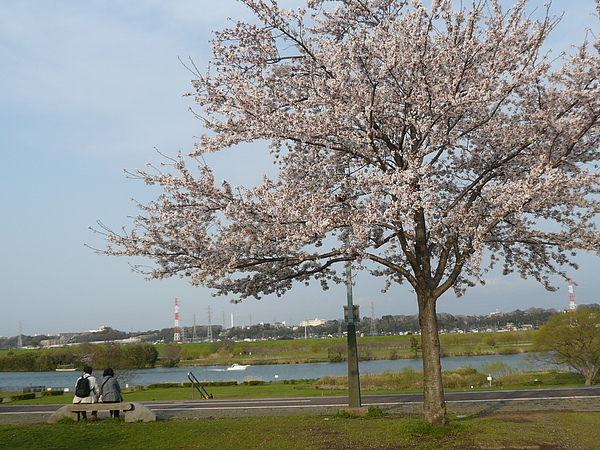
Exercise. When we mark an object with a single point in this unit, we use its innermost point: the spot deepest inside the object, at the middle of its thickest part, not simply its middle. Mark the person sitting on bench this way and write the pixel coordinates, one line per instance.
(86, 391)
(110, 391)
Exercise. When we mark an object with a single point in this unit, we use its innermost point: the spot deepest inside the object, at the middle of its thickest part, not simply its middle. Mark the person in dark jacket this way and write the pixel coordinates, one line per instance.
(110, 391)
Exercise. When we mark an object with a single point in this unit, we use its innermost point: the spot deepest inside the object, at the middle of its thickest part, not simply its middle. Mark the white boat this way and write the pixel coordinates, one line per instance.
(236, 366)
(66, 368)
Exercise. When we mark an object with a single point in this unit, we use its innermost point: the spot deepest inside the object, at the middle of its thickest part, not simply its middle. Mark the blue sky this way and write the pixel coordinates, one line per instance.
(91, 88)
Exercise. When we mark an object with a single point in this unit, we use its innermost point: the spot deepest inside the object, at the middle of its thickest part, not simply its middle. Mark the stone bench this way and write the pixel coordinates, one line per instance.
(134, 411)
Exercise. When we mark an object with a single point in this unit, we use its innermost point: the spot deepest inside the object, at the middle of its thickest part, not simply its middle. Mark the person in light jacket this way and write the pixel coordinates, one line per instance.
(110, 391)
(92, 398)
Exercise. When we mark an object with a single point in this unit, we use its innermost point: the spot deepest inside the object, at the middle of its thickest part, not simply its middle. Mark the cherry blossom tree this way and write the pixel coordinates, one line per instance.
(423, 144)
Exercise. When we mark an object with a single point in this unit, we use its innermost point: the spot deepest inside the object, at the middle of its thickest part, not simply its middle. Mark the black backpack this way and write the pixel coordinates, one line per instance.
(82, 389)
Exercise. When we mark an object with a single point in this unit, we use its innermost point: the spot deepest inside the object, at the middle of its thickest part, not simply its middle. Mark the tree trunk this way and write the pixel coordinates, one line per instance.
(434, 406)
(354, 397)
(590, 376)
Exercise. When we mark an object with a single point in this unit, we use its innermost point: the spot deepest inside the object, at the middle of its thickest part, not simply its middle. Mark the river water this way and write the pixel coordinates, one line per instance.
(16, 381)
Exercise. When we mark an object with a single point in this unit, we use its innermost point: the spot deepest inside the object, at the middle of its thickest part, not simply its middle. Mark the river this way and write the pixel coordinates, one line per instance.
(16, 381)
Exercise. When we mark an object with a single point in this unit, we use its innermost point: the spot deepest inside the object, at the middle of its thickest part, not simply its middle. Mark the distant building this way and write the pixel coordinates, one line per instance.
(312, 323)
(62, 341)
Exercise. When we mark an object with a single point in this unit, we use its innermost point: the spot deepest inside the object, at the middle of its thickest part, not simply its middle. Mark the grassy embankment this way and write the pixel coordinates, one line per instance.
(323, 350)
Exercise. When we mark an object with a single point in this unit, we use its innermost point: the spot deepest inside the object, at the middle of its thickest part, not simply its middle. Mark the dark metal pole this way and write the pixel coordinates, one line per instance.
(354, 400)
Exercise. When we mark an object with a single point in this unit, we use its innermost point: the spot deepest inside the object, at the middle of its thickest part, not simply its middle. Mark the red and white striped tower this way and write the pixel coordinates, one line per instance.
(177, 333)
(572, 306)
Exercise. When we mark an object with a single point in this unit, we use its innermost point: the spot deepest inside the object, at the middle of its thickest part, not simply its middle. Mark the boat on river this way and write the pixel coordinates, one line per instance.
(66, 368)
(236, 366)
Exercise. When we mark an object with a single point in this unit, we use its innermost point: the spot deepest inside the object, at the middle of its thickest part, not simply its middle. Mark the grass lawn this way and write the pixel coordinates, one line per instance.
(268, 390)
(548, 430)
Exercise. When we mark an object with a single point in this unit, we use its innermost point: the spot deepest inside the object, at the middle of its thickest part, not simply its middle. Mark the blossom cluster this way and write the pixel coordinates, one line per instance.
(412, 141)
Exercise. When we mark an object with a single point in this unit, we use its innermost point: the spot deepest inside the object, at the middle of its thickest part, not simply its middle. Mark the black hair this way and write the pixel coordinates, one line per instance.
(88, 369)
(108, 373)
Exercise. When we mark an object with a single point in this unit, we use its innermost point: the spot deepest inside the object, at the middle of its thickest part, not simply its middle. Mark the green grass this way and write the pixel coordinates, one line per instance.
(555, 430)
(517, 430)
(268, 390)
(247, 433)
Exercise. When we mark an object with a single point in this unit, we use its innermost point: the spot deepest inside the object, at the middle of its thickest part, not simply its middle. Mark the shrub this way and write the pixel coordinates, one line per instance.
(375, 412)
(490, 340)
(336, 353)
(407, 378)
(211, 383)
(163, 385)
(331, 382)
(27, 396)
(308, 380)
(462, 376)
(497, 369)
(51, 393)
(220, 383)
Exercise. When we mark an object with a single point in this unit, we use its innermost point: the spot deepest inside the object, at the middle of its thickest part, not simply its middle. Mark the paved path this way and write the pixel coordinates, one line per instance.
(474, 400)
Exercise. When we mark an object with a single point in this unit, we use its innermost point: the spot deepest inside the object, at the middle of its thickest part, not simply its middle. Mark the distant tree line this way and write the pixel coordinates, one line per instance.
(385, 325)
(99, 356)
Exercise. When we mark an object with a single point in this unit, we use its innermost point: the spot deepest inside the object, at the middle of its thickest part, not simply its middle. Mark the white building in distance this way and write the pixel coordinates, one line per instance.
(312, 323)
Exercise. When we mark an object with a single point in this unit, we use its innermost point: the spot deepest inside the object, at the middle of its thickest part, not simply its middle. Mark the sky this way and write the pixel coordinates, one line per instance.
(88, 89)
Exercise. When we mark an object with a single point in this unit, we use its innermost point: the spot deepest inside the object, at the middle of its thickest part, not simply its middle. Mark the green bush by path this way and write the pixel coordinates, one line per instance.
(27, 396)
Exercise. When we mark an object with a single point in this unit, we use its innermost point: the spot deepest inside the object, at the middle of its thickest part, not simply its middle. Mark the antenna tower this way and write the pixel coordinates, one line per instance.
(209, 336)
(572, 306)
(176, 331)
(194, 336)
(20, 334)
(373, 328)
